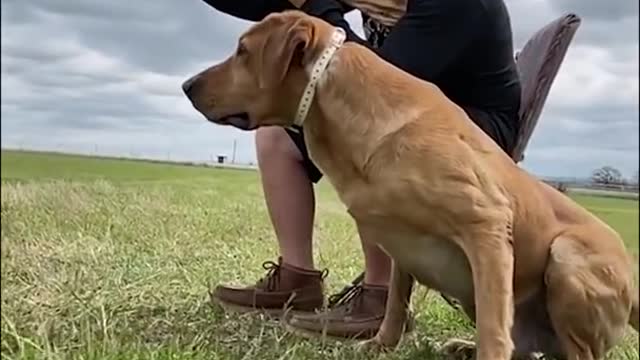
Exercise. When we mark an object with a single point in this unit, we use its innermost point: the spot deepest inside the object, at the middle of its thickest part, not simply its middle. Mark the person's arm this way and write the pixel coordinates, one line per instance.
(331, 11)
(252, 10)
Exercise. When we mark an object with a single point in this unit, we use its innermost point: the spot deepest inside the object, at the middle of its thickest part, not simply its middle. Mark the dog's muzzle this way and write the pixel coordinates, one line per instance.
(238, 120)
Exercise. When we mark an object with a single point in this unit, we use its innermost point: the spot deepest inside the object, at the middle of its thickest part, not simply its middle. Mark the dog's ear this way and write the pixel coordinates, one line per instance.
(281, 48)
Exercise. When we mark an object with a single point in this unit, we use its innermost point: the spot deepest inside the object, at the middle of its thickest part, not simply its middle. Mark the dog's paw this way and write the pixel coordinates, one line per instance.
(459, 349)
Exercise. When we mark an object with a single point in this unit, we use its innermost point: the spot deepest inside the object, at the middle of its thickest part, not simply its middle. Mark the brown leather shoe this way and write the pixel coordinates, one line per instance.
(285, 288)
(356, 312)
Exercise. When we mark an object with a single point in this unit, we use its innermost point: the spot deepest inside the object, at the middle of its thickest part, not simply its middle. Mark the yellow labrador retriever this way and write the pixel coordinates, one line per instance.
(535, 271)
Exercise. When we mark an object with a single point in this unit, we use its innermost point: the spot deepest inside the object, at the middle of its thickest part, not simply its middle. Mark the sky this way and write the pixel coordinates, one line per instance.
(104, 77)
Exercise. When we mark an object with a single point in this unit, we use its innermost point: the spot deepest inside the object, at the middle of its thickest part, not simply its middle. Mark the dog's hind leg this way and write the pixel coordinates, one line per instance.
(589, 295)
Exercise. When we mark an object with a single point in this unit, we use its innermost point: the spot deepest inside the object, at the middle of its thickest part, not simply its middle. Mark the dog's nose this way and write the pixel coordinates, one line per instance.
(187, 86)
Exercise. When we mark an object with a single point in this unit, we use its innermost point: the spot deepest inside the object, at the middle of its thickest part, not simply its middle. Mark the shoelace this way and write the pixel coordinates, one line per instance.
(346, 297)
(336, 300)
(272, 277)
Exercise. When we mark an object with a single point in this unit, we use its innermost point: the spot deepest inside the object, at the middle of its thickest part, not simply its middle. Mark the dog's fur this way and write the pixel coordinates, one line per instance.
(535, 271)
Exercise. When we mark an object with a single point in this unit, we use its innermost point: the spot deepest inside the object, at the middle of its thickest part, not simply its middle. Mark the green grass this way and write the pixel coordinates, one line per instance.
(112, 259)
(621, 214)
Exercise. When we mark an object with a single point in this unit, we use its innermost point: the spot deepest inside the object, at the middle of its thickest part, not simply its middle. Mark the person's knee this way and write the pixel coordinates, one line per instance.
(273, 143)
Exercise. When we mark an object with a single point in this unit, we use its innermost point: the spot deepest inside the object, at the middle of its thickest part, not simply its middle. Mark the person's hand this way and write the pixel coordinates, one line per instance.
(297, 3)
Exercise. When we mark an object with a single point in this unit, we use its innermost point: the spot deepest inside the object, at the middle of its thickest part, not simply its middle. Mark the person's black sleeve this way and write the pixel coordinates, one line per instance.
(254, 10)
(332, 11)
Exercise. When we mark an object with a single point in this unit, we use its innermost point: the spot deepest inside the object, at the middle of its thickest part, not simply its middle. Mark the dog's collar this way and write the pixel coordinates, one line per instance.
(337, 39)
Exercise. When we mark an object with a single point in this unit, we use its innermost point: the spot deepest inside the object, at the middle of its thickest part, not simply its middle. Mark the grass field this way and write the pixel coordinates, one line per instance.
(112, 259)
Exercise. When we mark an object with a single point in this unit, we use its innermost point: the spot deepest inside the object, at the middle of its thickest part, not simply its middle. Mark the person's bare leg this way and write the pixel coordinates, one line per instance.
(289, 195)
(377, 263)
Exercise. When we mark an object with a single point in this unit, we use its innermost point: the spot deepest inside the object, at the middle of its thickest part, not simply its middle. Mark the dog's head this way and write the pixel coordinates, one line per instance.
(260, 84)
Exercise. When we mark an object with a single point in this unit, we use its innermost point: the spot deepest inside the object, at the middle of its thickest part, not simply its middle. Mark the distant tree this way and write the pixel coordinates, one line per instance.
(634, 179)
(607, 175)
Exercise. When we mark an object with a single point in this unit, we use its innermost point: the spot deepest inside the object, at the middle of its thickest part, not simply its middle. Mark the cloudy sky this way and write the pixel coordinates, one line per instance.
(104, 76)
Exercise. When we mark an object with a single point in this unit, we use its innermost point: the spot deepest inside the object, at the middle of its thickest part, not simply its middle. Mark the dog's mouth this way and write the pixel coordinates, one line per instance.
(239, 120)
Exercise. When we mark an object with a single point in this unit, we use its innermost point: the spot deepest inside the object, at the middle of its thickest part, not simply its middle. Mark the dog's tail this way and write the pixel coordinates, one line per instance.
(634, 317)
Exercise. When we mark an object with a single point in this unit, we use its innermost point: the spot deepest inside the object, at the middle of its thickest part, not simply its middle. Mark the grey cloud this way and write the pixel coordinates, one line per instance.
(604, 23)
(33, 55)
(609, 10)
(577, 162)
(47, 76)
(570, 132)
(98, 10)
(156, 34)
(573, 141)
(614, 33)
(173, 40)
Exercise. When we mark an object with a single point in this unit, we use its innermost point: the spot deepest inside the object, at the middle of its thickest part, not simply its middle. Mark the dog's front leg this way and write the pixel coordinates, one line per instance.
(396, 312)
(397, 309)
(489, 248)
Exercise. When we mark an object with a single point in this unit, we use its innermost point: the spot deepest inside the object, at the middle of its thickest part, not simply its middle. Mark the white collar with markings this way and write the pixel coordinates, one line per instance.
(337, 39)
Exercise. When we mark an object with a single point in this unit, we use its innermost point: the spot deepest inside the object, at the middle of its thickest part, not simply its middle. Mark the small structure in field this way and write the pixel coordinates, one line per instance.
(221, 158)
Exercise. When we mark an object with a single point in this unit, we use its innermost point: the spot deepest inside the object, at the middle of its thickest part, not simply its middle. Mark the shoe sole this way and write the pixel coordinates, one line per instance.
(310, 334)
(272, 313)
(285, 314)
